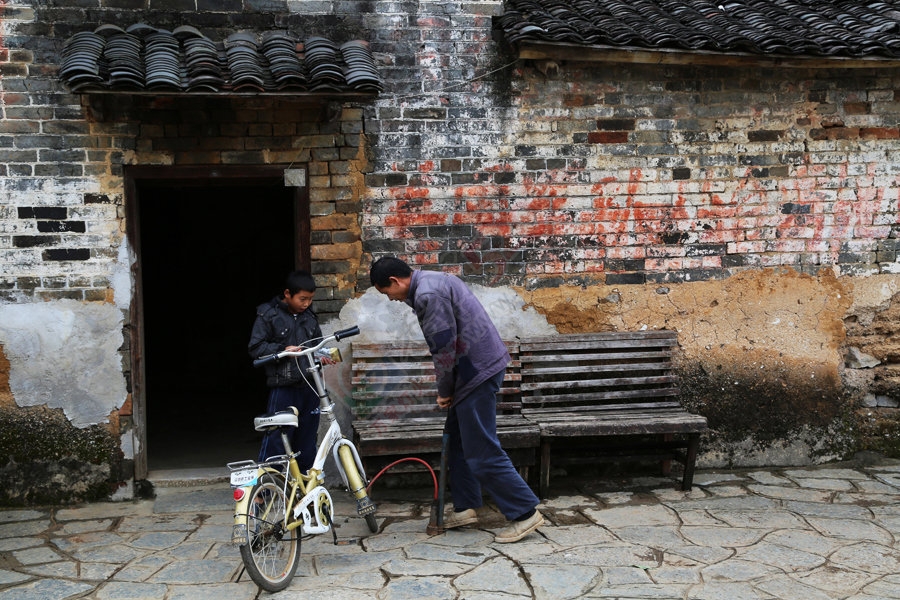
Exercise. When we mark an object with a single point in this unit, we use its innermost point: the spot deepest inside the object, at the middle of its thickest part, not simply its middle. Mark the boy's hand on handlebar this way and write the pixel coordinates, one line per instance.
(444, 401)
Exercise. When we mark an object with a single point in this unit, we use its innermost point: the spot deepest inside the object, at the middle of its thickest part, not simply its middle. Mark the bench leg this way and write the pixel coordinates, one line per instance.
(544, 483)
(693, 445)
(666, 465)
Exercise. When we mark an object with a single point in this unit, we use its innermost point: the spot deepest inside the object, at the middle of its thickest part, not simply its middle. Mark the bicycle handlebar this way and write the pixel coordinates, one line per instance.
(336, 336)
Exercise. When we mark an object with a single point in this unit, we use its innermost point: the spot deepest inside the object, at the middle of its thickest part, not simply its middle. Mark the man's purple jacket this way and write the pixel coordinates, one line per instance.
(465, 345)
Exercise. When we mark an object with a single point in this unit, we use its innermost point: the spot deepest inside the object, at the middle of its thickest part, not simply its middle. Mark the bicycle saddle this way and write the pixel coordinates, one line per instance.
(284, 418)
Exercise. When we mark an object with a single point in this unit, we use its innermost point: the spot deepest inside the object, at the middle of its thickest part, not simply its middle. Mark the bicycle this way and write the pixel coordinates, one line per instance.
(273, 499)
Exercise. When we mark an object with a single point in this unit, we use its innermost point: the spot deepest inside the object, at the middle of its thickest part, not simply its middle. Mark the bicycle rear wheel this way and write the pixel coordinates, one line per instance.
(271, 554)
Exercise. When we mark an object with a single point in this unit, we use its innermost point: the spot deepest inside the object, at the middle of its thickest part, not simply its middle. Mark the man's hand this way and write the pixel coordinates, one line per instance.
(444, 401)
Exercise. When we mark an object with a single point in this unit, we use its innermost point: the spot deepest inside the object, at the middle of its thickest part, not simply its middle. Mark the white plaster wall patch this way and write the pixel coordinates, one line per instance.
(120, 278)
(383, 320)
(65, 355)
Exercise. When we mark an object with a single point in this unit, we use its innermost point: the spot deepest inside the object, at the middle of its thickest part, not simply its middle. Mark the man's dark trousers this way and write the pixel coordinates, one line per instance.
(476, 459)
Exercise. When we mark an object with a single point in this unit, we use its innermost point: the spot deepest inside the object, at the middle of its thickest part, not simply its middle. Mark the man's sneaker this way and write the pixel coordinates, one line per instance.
(460, 519)
(519, 529)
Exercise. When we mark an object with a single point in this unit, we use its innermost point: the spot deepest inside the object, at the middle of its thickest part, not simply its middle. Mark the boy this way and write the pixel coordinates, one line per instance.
(286, 322)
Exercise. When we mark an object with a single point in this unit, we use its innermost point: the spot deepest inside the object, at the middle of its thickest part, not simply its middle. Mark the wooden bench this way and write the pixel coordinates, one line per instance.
(607, 393)
(395, 413)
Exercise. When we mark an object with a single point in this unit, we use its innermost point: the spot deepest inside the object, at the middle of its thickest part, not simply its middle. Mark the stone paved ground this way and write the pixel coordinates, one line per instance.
(830, 532)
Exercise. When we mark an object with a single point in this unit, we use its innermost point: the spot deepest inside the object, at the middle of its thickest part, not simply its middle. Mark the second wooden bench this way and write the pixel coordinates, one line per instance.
(607, 393)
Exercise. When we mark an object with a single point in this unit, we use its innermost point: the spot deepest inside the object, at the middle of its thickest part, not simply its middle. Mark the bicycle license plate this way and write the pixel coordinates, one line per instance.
(243, 477)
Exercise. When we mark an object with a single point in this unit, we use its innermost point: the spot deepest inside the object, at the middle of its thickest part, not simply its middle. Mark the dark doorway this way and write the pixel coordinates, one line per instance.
(210, 251)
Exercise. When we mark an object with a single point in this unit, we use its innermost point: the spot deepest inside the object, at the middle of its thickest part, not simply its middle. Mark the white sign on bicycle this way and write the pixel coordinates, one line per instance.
(243, 477)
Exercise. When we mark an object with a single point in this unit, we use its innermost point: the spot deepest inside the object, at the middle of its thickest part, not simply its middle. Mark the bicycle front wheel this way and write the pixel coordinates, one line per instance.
(271, 554)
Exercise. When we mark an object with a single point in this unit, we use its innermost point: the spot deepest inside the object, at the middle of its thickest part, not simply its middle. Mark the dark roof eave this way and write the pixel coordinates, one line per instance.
(312, 97)
(667, 56)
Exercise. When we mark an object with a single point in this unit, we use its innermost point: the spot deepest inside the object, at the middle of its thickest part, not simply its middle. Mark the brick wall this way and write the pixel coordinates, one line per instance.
(506, 172)
(61, 201)
(625, 174)
(479, 163)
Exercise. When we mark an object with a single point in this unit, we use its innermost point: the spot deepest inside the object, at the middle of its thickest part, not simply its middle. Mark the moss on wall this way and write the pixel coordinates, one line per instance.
(45, 460)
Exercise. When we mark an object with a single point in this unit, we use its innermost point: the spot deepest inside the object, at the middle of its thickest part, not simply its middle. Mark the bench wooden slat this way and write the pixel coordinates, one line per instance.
(593, 381)
(537, 412)
(405, 379)
(597, 341)
(624, 425)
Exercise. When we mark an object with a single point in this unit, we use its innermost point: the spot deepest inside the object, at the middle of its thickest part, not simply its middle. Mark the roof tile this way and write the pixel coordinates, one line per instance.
(145, 58)
(844, 28)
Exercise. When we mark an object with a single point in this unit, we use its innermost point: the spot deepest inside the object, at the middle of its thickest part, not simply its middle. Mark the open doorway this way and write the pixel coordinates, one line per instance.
(210, 249)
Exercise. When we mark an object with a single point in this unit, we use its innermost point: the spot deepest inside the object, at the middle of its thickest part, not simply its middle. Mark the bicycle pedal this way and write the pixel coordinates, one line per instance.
(350, 542)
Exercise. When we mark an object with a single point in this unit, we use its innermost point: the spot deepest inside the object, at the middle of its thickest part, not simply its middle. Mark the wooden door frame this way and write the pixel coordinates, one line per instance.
(137, 176)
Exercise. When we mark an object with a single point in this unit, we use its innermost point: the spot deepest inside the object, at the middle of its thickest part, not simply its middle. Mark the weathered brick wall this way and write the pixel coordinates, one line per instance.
(628, 174)
(62, 214)
(609, 196)
(606, 194)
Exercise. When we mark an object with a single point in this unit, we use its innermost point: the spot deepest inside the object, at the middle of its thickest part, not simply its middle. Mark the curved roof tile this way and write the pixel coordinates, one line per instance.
(827, 28)
(145, 58)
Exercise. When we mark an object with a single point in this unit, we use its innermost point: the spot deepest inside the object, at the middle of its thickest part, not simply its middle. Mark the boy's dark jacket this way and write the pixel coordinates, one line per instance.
(275, 329)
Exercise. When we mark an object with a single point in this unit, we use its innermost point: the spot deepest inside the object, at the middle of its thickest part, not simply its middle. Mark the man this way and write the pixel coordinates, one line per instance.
(470, 360)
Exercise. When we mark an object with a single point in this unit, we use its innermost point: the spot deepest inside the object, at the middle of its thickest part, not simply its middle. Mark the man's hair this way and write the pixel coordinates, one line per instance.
(386, 267)
(300, 281)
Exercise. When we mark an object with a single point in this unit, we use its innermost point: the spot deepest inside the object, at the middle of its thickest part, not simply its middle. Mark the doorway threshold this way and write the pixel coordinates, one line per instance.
(188, 477)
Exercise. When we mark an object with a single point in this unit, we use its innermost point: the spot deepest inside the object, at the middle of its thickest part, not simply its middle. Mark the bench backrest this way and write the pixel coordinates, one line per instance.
(598, 371)
(395, 380)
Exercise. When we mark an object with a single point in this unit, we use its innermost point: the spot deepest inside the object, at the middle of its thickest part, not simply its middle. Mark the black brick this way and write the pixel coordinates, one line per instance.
(625, 278)
(526, 151)
(32, 241)
(502, 178)
(789, 208)
(464, 178)
(43, 212)
(383, 246)
(204, 6)
(734, 260)
(58, 254)
(395, 179)
(545, 283)
(61, 226)
(460, 232)
(453, 258)
(681, 173)
(764, 135)
(615, 124)
(426, 113)
(623, 264)
(673, 237)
